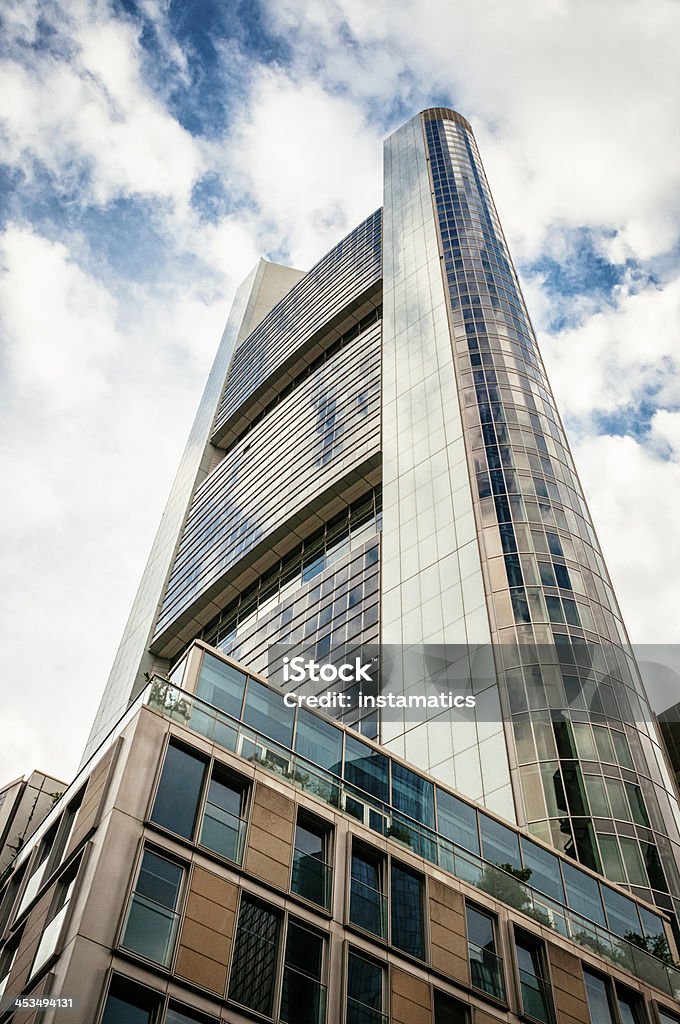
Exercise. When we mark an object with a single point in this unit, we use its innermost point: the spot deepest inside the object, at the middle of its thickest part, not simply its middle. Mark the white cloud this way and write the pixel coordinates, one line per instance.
(310, 160)
(634, 498)
(89, 115)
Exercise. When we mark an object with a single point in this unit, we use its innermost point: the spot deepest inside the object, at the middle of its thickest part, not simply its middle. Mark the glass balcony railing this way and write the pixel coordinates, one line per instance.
(486, 971)
(368, 908)
(223, 832)
(360, 1013)
(150, 930)
(218, 727)
(312, 879)
(536, 997)
(303, 999)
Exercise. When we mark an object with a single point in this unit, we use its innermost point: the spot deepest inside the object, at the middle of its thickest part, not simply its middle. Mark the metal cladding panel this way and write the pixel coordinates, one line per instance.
(326, 427)
(340, 277)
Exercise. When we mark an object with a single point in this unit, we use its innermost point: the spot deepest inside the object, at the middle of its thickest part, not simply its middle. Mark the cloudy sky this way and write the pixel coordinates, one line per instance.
(150, 151)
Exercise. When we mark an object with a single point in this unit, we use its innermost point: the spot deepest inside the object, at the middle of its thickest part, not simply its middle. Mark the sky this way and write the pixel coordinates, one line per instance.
(151, 151)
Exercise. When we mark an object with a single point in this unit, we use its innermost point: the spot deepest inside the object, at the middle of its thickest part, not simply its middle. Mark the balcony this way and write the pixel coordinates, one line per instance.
(296, 770)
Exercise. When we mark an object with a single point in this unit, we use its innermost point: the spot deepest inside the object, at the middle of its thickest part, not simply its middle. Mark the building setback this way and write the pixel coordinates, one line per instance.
(377, 459)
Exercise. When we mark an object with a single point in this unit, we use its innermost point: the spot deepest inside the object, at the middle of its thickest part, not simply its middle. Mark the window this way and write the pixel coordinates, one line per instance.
(666, 1017)
(318, 741)
(457, 821)
(412, 794)
(7, 958)
(312, 875)
(407, 911)
(486, 967)
(128, 1003)
(583, 893)
(178, 802)
(266, 712)
(224, 825)
(366, 768)
(55, 920)
(448, 1010)
(365, 991)
(221, 685)
(500, 845)
(9, 897)
(545, 870)
(303, 997)
(182, 1015)
(253, 968)
(533, 978)
(368, 904)
(179, 791)
(612, 1004)
(152, 919)
(38, 869)
(256, 964)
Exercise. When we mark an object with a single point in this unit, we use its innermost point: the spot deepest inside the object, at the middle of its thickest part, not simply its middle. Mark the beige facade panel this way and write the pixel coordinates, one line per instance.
(95, 791)
(207, 932)
(448, 938)
(568, 988)
(270, 844)
(410, 999)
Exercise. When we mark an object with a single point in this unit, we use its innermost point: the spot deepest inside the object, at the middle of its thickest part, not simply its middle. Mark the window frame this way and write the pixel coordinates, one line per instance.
(212, 766)
(362, 954)
(498, 951)
(178, 910)
(613, 990)
(285, 916)
(522, 935)
(327, 830)
(386, 860)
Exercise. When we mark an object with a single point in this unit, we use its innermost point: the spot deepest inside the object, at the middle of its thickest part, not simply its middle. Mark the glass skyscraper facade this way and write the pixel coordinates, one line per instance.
(378, 458)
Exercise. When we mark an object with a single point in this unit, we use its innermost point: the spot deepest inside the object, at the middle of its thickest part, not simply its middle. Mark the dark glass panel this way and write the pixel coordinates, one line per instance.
(221, 685)
(366, 768)
(253, 969)
(457, 821)
(407, 911)
(266, 712)
(500, 845)
(179, 791)
(412, 794)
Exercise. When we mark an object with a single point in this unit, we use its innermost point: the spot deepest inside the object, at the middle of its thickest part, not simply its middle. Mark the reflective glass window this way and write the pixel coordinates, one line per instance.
(302, 995)
(545, 870)
(448, 1010)
(368, 903)
(457, 821)
(179, 791)
(365, 984)
(500, 845)
(266, 712)
(128, 1003)
(622, 913)
(412, 794)
(366, 768)
(599, 999)
(407, 911)
(583, 893)
(319, 741)
(224, 825)
(253, 968)
(221, 685)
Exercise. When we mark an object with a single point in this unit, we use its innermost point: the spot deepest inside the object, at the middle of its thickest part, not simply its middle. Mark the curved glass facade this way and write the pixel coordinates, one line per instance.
(591, 776)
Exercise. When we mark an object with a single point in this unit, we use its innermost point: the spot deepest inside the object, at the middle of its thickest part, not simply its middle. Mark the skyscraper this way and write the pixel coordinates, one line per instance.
(393, 400)
(377, 460)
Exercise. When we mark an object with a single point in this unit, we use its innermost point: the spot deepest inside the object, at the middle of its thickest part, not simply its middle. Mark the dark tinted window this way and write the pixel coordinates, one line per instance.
(222, 685)
(448, 1010)
(457, 821)
(407, 911)
(253, 969)
(179, 791)
(412, 794)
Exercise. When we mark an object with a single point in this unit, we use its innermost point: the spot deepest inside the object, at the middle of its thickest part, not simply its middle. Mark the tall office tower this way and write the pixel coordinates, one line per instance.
(378, 458)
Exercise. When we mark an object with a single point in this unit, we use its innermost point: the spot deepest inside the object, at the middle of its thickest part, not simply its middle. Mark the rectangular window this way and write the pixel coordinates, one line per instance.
(224, 824)
(486, 966)
(366, 768)
(412, 794)
(537, 1000)
(7, 958)
(128, 1003)
(152, 921)
(610, 1003)
(448, 1010)
(179, 791)
(38, 873)
(221, 685)
(49, 939)
(266, 712)
(407, 911)
(368, 904)
(312, 876)
(365, 991)
(253, 968)
(457, 821)
(500, 845)
(303, 997)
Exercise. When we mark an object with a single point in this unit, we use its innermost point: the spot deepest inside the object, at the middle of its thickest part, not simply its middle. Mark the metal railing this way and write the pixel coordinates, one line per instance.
(220, 728)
